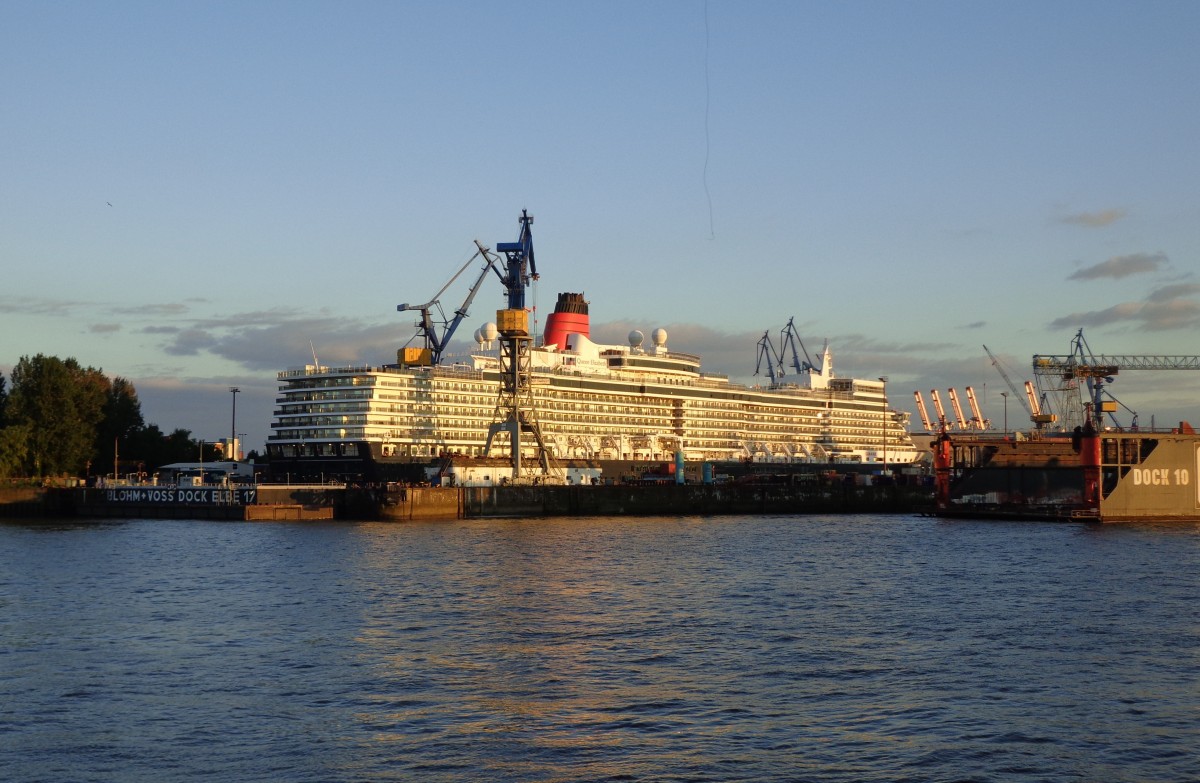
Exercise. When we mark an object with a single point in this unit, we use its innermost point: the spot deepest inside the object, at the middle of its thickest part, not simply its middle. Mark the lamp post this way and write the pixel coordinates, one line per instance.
(233, 424)
(1005, 396)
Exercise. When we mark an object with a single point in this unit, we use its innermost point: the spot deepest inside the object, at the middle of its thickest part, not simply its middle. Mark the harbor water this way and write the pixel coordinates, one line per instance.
(771, 648)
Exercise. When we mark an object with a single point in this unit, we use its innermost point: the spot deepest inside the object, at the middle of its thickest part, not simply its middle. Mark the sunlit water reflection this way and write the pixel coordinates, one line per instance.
(734, 648)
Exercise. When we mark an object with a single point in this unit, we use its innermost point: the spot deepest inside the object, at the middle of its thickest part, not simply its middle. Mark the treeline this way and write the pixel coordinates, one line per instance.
(59, 418)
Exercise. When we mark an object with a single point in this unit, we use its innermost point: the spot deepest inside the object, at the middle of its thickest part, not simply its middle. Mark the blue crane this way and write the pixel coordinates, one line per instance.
(789, 341)
(519, 270)
(427, 327)
(520, 267)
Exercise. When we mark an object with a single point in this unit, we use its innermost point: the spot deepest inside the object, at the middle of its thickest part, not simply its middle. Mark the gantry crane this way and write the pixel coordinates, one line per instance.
(1060, 376)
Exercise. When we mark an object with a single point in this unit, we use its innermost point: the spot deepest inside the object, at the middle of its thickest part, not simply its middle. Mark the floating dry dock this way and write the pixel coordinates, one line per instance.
(1103, 476)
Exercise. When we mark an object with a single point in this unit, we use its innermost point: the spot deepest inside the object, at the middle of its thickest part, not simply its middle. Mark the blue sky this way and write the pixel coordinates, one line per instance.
(191, 193)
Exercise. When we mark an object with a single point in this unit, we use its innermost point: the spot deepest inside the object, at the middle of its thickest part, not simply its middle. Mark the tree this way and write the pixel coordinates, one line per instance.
(121, 423)
(60, 403)
(14, 443)
(152, 448)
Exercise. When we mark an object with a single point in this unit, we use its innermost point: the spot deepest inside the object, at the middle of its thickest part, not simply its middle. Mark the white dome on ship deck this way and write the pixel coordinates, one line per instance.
(489, 332)
(659, 336)
(479, 337)
(635, 338)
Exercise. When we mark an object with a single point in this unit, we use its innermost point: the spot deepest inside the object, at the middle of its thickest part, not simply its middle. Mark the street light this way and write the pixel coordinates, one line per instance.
(233, 423)
(1005, 396)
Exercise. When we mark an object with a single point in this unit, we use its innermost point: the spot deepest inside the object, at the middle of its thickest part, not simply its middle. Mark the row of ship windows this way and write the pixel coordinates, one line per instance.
(692, 436)
(314, 450)
(453, 443)
(590, 411)
(487, 394)
(551, 425)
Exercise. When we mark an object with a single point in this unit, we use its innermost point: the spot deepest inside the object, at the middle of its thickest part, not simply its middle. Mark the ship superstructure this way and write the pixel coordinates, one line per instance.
(587, 400)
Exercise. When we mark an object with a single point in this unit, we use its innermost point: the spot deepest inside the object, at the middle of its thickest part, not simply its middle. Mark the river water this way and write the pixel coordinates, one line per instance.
(818, 648)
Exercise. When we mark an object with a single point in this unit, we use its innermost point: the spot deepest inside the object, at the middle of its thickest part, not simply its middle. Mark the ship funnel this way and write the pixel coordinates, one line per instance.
(570, 316)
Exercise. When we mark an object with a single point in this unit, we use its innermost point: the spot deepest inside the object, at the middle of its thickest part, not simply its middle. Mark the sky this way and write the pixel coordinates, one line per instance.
(196, 196)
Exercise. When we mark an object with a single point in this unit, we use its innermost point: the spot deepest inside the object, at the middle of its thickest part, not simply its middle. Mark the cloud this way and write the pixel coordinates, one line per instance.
(976, 325)
(168, 309)
(1175, 291)
(1121, 266)
(1166, 308)
(28, 305)
(736, 354)
(104, 328)
(275, 339)
(1105, 217)
(189, 342)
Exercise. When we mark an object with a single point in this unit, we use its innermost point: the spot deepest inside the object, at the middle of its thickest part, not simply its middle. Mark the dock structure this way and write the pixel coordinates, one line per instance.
(403, 504)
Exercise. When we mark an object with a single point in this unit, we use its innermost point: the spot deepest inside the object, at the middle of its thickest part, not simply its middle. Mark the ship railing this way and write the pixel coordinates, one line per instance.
(469, 373)
(284, 374)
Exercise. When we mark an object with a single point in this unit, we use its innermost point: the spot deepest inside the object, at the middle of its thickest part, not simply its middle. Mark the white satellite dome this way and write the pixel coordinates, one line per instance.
(659, 336)
(479, 337)
(636, 338)
(489, 332)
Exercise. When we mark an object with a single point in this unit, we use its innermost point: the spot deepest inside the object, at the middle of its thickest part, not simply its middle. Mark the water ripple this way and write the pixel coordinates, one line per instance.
(670, 649)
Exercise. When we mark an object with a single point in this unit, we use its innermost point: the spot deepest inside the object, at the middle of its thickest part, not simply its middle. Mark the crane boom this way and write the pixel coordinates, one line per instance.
(958, 414)
(789, 339)
(1011, 386)
(436, 343)
(767, 352)
(976, 416)
(921, 410)
(937, 406)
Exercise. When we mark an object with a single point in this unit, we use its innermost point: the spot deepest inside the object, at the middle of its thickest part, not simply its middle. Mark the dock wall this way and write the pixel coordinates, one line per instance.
(687, 499)
(280, 502)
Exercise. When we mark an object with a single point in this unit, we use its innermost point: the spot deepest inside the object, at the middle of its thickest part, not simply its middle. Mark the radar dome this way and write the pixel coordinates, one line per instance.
(489, 332)
(479, 337)
(659, 336)
(635, 338)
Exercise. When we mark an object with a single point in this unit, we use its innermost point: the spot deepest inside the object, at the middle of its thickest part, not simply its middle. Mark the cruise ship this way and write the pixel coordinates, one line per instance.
(604, 404)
